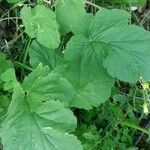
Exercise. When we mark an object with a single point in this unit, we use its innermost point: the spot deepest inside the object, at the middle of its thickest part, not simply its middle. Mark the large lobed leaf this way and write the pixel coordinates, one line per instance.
(127, 54)
(35, 128)
(35, 121)
(129, 51)
(86, 72)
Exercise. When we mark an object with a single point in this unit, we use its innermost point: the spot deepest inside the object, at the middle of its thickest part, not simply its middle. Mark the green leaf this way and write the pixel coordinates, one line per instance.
(40, 54)
(127, 54)
(42, 85)
(9, 78)
(68, 13)
(130, 51)
(130, 42)
(86, 72)
(36, 125)
(40, 23)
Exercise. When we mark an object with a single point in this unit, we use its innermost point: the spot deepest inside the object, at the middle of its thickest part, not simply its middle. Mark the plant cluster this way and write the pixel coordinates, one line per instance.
(77, 79)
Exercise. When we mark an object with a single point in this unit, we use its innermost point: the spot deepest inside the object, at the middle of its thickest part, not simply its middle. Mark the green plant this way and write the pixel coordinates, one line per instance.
(75, 60)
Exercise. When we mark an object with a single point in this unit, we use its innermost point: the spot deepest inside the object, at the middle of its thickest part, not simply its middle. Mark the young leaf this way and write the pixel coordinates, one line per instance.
(86, 72)
(40, 23)
(40, 126)
(42, 85)
(68, 13)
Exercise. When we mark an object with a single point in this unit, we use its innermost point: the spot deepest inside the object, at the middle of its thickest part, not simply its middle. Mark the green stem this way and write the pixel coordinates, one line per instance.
(9, 18)
(92, 4)
(126, 123)
(18, 64)
(25, 57)
(26, 52)
(134, 97)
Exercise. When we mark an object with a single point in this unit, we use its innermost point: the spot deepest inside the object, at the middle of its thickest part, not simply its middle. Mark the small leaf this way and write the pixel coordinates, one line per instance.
(40, 23)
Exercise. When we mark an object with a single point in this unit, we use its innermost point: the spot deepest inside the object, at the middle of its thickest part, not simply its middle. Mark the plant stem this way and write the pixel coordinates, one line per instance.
(25, 57)
(9, 18)
(26, 52)
(134, 97)
(24, 66)
(92, 4)
(126, 123)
